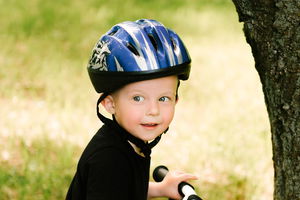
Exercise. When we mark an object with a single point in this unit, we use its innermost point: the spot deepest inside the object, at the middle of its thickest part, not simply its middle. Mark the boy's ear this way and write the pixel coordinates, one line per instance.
(108, 104)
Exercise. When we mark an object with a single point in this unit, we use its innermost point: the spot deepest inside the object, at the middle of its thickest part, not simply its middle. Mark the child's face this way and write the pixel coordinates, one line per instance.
(146, 108)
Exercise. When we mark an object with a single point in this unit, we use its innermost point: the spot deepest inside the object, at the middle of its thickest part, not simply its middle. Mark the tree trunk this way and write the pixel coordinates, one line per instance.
(272, 28)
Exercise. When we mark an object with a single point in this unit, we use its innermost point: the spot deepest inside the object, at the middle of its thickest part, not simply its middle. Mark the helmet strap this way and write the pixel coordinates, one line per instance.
(100, 116)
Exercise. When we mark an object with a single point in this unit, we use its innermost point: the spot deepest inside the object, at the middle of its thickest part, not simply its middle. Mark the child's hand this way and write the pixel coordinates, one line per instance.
(171, 181)
(169, 185)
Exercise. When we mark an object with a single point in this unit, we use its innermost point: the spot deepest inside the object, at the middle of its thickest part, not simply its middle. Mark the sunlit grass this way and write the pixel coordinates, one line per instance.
(220, 131)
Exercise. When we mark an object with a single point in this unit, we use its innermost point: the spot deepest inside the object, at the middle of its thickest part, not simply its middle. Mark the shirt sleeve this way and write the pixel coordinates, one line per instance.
(109, 176)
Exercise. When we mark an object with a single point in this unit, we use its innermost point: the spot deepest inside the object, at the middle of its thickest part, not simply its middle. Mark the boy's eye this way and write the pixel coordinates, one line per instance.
(138, 98)
(164, 99)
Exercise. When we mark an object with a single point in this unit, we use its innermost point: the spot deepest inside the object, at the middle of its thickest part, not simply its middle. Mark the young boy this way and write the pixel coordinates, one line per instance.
(136, 66)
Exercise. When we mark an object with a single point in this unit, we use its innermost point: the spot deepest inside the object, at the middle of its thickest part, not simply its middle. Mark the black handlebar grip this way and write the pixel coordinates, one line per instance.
(159, 173)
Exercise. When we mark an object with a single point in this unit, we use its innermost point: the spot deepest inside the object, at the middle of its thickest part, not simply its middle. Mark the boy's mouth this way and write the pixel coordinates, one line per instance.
(150, 125)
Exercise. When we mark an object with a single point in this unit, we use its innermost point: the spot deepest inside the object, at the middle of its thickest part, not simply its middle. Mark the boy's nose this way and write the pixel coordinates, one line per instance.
(153, 108)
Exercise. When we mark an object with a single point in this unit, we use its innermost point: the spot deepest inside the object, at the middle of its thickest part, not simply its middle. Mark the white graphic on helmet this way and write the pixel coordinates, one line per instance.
(98, 59)
(119, 68)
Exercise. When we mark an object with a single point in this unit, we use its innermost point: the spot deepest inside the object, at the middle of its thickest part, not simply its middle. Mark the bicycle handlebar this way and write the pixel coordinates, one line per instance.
(185, 189)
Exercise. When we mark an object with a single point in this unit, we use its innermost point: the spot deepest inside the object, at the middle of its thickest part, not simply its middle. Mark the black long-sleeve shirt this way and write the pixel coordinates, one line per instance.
(110, 169)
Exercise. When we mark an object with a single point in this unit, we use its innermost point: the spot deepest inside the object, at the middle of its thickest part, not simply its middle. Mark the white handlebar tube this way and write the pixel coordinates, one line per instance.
(185, 189)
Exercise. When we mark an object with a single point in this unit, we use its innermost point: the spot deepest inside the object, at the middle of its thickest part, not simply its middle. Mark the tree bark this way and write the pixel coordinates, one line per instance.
(272, 29)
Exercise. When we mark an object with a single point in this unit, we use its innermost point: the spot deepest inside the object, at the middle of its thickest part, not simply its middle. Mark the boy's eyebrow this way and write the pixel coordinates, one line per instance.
(169, 92)
(135, 90)
(164, 93)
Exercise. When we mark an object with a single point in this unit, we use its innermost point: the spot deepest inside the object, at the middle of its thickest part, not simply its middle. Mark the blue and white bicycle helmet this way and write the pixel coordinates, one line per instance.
(136, 51)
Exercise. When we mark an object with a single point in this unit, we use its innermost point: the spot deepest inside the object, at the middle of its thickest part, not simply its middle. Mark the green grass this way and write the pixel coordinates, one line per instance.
(36, 169)
(220, 130)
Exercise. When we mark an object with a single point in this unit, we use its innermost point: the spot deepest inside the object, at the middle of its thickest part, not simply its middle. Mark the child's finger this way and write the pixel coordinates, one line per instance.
(187, 177)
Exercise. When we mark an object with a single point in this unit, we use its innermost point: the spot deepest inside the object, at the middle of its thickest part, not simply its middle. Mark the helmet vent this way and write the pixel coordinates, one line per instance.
(173, 44)
(112, 33)
(132, 49)
(154, 43)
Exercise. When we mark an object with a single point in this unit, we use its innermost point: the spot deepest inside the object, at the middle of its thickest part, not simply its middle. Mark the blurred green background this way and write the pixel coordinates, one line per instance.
(220, 131)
